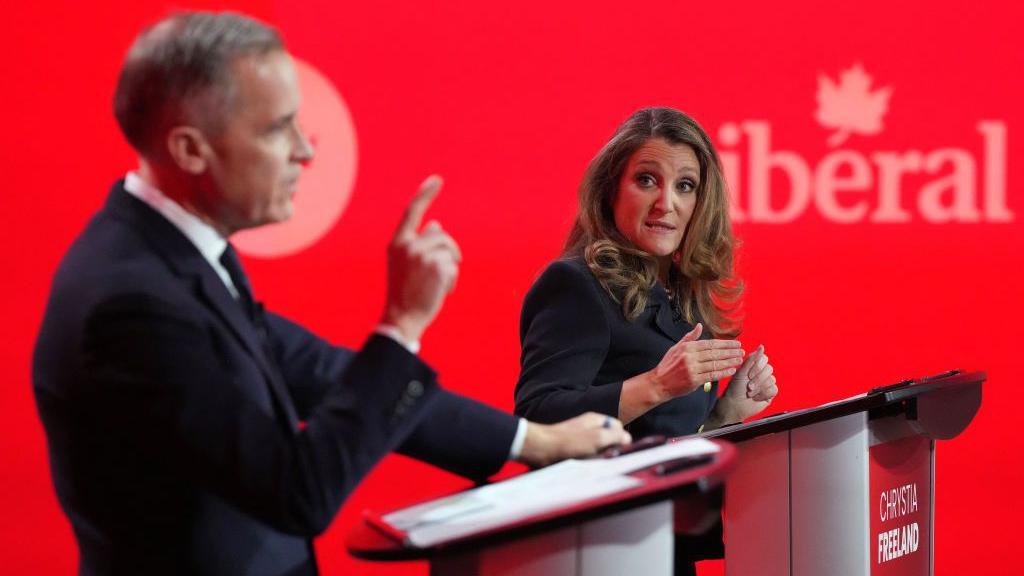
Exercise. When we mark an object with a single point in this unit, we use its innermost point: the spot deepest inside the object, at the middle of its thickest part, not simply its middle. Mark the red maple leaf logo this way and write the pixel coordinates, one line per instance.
(850, 105)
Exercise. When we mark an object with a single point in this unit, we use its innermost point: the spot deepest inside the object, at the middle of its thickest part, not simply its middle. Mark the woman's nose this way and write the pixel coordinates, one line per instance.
(665, 199)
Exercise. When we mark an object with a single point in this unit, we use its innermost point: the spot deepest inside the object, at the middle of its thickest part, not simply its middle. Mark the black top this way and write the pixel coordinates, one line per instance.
(578, 347)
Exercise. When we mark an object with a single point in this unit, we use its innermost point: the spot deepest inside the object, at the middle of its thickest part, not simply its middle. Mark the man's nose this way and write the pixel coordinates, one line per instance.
(304, 148)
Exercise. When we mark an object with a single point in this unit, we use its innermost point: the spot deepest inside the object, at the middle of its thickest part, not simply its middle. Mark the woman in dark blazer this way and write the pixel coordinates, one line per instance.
(637, 320)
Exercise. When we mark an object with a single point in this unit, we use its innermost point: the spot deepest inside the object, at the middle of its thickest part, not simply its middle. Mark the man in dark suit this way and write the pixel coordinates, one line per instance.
(190, 431)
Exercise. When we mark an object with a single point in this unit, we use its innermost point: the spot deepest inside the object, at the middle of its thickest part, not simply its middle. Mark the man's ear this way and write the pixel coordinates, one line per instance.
(188, 149)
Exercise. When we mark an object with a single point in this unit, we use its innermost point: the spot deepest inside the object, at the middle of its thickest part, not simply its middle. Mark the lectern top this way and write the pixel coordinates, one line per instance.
(901, 397)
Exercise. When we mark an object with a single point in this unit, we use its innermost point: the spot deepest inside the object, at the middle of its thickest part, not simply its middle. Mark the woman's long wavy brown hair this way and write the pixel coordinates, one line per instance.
(701, 277)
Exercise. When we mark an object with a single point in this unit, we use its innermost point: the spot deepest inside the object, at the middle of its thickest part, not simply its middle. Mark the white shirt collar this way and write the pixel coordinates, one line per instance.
(206, 239)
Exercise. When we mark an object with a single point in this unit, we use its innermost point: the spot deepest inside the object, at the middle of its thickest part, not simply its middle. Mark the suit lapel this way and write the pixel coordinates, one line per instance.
(184, 258)
(221, 301)
(661, 309)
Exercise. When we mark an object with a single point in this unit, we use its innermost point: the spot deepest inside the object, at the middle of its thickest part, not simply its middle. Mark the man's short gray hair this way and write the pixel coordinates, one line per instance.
(177, 71)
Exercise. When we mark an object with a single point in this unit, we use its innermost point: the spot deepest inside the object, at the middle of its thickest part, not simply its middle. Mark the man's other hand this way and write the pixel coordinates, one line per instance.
(422, 267)
(579, 437)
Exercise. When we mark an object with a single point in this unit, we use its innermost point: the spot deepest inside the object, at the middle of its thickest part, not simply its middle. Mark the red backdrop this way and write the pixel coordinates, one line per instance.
(873, 149)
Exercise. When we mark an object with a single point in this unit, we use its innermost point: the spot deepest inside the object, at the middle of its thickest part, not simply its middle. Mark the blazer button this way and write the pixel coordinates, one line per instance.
(414, 389)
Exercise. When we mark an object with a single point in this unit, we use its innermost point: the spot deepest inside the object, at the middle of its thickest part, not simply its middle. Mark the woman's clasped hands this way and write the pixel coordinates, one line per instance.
(692, 363)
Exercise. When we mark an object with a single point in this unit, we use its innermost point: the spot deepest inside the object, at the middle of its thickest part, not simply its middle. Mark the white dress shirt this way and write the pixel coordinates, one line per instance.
(206, 239)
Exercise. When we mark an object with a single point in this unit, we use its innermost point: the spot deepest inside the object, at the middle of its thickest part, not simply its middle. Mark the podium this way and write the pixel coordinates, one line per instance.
(845, 488)
(625, 532)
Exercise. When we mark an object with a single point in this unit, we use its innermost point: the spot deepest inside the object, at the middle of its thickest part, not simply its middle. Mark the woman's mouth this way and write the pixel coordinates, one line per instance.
(659, 227)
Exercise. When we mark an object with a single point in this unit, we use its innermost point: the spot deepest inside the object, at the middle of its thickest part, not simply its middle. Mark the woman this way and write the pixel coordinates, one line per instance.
(638, 318)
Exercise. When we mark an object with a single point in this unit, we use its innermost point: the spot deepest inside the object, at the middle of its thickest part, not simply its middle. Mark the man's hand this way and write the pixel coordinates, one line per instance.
(422, 267)
(579, 437)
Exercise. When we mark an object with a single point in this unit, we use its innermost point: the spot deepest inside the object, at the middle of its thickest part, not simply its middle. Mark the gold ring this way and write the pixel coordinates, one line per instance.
(707, 386)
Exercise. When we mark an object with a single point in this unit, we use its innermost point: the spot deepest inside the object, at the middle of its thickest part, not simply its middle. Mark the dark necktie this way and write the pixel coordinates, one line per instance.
(253, 311)
(250, 306)
(229, 259)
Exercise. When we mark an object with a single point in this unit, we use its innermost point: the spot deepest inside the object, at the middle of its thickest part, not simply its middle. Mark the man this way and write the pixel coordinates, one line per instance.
(191, 432)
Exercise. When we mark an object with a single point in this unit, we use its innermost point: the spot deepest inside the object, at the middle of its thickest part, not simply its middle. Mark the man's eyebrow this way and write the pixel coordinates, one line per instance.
(283, 121)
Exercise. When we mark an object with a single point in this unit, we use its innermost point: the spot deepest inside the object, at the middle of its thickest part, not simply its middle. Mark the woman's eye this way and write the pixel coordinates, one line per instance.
(645, 180)
(686, 186)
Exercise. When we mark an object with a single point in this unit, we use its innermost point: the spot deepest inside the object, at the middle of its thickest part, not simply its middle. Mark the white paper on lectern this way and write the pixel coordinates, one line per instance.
(567, 483)
(644, 458)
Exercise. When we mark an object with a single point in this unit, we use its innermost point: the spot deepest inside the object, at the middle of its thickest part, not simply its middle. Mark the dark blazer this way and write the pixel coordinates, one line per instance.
(182, 443)
(578, 347)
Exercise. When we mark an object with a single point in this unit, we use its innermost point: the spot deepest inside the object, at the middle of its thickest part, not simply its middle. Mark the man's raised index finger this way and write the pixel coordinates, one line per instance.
(418, 207)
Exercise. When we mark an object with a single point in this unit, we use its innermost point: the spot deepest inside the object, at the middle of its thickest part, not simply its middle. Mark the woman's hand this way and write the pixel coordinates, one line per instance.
(749, 392)
(692, 362)
(685, 367)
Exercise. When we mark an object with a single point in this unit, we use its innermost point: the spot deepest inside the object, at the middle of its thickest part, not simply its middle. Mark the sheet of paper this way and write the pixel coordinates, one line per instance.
(506, 512)
(645, 458)
(567, 483)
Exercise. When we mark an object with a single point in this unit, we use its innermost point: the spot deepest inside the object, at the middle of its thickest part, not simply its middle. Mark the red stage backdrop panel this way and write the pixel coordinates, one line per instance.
(872, 150)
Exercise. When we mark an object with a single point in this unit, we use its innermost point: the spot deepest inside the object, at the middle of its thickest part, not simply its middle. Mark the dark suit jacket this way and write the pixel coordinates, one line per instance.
(577, 348)
(178, 446)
